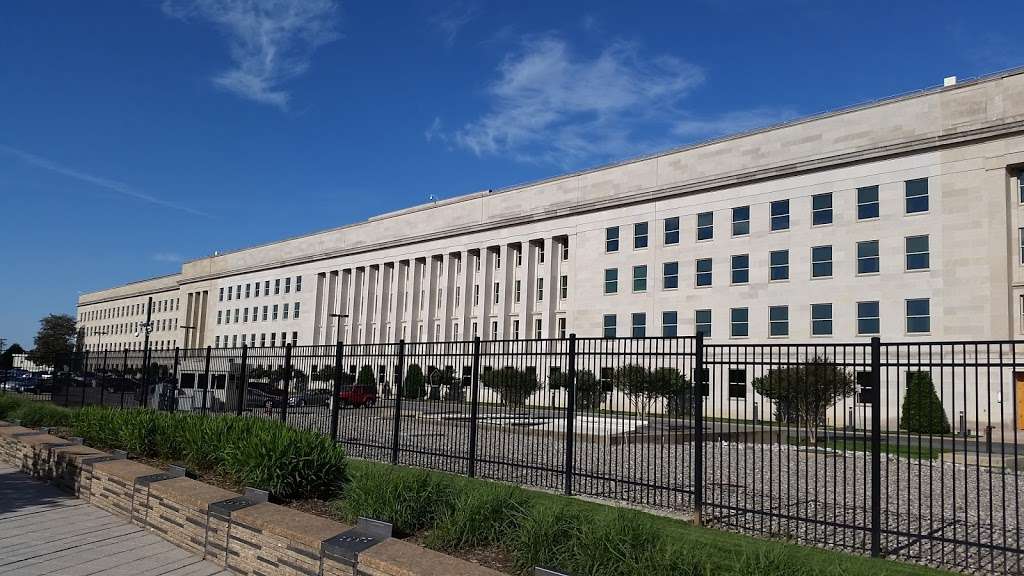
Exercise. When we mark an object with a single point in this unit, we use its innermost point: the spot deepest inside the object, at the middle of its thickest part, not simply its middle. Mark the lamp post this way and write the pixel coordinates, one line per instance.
(338, 329)
(186, 329)
(99, 338)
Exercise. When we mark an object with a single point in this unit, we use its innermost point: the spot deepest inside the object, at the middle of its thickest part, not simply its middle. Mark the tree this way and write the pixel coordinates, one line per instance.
(643, 387)
(513, 386)
(366, 378)
(413, 387)
(55, 341)
(7, 356)
(803, 393)
(589, 395)
(922, 410)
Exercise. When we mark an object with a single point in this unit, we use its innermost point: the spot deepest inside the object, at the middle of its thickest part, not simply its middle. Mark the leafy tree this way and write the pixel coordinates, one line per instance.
(922, 409)
(7, 357)
(513, 386)
(803, 393)
(55, 340)
(643, 387)
(589, 395)
(367, 378)
(413, 387)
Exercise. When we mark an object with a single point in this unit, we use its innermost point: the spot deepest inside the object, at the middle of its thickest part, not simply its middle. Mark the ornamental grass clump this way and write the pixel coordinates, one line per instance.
(411, 500)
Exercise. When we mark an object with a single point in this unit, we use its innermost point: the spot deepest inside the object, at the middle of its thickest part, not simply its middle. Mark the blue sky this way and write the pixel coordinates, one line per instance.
(135, 135)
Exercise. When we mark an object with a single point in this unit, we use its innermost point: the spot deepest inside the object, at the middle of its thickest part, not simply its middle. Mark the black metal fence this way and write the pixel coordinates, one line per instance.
(903, 450)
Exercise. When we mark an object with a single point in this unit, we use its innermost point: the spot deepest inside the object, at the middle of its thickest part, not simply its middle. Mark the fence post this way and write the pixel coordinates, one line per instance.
(243, 376)
(172, 403)
(82, 372)
(698, 431)
(876, 447)
(474, 410)
(570, 417)
(336, 391)
(287, 381)
(124, 376)
(206, 380)
(103, 379)
(398, 402)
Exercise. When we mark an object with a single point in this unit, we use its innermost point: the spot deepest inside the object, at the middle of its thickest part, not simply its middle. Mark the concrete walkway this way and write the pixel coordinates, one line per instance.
(45, 531)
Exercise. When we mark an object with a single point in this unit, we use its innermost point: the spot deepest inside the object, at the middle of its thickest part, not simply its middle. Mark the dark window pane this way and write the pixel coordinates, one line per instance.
(916, 195)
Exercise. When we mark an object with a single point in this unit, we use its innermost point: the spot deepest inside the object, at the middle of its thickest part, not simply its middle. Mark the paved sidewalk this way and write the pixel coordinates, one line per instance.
(45, 531)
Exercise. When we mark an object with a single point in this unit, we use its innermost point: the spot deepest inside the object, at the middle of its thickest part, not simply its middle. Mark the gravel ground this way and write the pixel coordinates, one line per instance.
(963, 518)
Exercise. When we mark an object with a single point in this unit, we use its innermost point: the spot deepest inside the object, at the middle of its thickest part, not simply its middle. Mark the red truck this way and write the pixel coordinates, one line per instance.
(357, 396)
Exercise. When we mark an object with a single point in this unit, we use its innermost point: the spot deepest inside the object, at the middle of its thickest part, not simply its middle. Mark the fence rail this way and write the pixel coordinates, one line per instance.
(903, 450)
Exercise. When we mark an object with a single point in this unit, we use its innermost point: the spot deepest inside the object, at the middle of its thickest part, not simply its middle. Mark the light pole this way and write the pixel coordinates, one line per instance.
(99, 338)
(186, 329)
(338, 329)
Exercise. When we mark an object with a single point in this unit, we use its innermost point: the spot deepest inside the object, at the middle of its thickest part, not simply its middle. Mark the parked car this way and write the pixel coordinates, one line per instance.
(310, 398)
(358, 396)
(256, 399)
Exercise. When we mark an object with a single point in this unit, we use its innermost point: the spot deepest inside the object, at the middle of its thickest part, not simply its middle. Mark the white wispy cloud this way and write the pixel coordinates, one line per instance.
(732, 122)
(270, 41)
(172, 257)
(98, 181)
(552, 106)
(450, 21)
(435, 131)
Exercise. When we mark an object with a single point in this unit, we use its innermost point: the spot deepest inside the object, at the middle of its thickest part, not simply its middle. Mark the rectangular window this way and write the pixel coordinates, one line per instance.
(867, 318)
(538, 329)
(295, 312)
(611, 239)
(741, 221)
(263, 340)
(821, 262)
(256, 290)
(245, 314)
(917, 252)
(741, 269)
(274, 315)
(298, 283)
(540, 289)
(515, 329)
(497, 259)
(610, 321)
(670, 275)
(256, 313)
(221, 297)
(1020, 186)
(264, 313)
(519, 259)
(780, 215)
(639, 278)
(247, 290)
(671, 230)
(229, 292)
(540, 254)
(287, 285)
(821, 319)
(518, 287)
(705, 226)
(778, 320)
(778, 265)
(703, 272)
(216, 342)
(739, 322)
(476, 294)
(867, 203)
(867, 257)
(669, 323)
(640, 235)
(561, 327)
(284, 313)
(737, 383)
(563, 287)
(702, 322)
(565, 251)
(821, 209)
(919, 316)
(639, 325)
(266, 288)
(218, 316)
(916, 193)
(611, 280)
(1020, 234)
(277, 286)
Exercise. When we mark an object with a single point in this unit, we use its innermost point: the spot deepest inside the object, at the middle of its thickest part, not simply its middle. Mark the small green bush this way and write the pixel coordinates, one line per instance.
(413, 387)
(481, 515)
(411, 500)
(366, 377)
(922, 409)
(35, 414)
(544, 536)
(8, 404)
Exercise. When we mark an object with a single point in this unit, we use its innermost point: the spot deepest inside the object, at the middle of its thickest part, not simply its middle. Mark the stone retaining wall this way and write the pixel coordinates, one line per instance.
(240, 532)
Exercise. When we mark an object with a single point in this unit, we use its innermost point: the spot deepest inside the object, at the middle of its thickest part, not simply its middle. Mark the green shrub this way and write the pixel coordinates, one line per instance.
(366, 377)
(411, 500)
(544, 536)
(514, 386)
(481, 514)
(922, 409)
(773, 562)
(35, 414)
(8, 404)
(589, 395)
(413, 387)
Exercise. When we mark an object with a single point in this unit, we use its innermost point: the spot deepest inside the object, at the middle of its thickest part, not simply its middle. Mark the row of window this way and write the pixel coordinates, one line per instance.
(139, 309)
(159, 325)
(822, 214)
(253, 289)
(236, 340)
(917, 257)
(269, 313)
(917, 320)
(116, 347)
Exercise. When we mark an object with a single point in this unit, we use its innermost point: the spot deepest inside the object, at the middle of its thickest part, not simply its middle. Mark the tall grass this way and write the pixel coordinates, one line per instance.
(32, 413)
